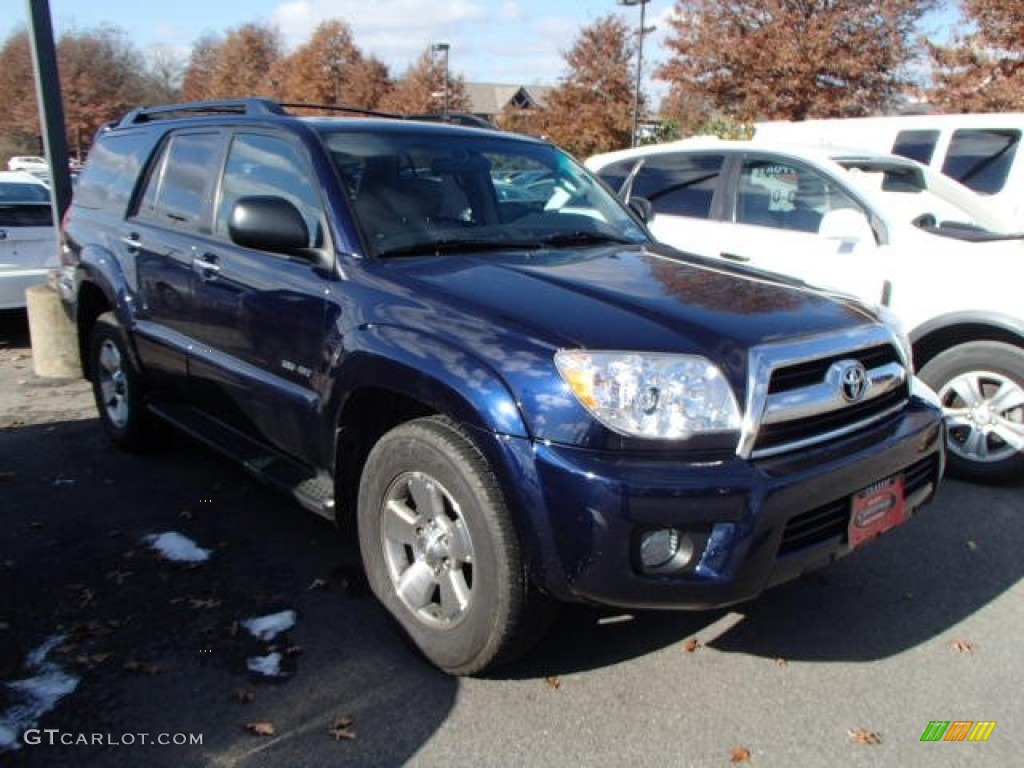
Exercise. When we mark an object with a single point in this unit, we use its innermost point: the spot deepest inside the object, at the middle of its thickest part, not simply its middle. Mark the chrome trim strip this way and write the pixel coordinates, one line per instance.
(775, 450)
(825, 397)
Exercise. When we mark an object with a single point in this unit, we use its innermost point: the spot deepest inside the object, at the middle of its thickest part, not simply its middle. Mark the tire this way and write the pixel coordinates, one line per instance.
(440, 551)
(118, 387)
(981, 386)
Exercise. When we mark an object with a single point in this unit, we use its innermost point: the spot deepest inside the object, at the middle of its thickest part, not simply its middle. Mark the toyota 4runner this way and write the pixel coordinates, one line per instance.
(459, 340)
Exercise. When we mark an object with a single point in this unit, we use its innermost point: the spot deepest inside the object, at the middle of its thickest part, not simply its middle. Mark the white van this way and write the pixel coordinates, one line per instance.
(981, 151)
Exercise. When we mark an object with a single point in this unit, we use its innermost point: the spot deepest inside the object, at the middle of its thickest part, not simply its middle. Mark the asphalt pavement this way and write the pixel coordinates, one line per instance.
(846, 667)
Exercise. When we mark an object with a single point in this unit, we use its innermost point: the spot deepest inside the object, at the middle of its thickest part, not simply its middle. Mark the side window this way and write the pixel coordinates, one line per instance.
(179, 190)
(259, 164)
(675, 184)
(109, 176)
(917, 145)
(981, 159)
(785, 195)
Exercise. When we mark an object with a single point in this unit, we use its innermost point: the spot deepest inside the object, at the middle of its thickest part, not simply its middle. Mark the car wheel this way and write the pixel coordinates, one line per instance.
(981, 386)
(440, 551)
(117, 386)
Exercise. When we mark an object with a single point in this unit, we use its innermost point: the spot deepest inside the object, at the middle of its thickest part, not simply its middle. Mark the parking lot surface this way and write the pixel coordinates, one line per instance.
(847, 666)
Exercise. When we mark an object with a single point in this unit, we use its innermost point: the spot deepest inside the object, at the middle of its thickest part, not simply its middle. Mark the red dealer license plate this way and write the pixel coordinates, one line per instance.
(876, 509)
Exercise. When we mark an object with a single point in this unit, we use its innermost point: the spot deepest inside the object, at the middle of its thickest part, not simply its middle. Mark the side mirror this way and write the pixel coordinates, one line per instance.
(642, 207)
(267, 223)
(846, 225)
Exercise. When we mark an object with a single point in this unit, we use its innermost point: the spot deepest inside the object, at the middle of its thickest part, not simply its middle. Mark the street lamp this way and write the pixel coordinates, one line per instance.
(443, 48)
(639, 64)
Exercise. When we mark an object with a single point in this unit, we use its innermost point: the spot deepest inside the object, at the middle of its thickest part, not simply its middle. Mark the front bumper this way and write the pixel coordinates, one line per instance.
(764, 522)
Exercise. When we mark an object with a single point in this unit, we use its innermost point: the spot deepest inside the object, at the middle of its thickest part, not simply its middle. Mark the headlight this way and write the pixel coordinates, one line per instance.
(895, 324)
(651, 396)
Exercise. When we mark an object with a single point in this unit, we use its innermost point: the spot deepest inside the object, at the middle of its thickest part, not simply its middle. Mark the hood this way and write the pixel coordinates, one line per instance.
(633, 297)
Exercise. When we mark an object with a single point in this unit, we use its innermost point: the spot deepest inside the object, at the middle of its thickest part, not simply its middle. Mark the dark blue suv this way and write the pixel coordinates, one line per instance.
(462, 342)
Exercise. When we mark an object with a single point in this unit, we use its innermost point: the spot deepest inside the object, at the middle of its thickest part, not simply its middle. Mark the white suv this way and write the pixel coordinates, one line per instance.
(882, 227)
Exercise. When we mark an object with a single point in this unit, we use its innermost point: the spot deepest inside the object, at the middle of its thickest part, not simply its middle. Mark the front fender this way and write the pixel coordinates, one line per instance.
(98, 267)
(420, 366)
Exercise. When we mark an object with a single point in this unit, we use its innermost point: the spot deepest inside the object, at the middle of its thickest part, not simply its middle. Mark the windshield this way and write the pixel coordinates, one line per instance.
(418, 193)
(913, 194)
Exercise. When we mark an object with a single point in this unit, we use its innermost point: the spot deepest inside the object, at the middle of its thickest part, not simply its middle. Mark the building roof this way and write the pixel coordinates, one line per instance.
(492, 98)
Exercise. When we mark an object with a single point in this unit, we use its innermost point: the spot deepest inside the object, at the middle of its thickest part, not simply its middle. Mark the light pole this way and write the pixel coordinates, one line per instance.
(639, 64)
(443, 48)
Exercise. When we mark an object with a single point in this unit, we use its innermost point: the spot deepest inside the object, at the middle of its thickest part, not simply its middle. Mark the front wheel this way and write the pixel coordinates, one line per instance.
(981, 386)
(440, 551)
(117, 386)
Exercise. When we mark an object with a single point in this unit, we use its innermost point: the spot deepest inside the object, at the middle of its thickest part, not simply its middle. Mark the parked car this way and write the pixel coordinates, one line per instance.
(30, 164)
(981, 151)
(882, 227)
(516, 403)
(28, 238)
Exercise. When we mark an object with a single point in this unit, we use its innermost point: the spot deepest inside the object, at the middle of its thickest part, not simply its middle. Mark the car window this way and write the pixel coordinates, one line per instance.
(676, 184)
(181, 194)
(433, 193)
(785, 195)
(259, 164)
(917, 145)
(23, 192)
(109, 176)
(981, 159)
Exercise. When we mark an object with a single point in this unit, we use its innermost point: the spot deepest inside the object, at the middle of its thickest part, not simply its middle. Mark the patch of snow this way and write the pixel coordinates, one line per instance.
(266, 628)
(35, 696)
(176, 547)
(268, 666)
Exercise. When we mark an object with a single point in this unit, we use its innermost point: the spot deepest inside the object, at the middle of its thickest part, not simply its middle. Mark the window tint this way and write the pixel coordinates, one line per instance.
(981, 159)
(787, 196)
(259, 164)
(917, 145)
(676, 184)
(181, 195)
(110, 173)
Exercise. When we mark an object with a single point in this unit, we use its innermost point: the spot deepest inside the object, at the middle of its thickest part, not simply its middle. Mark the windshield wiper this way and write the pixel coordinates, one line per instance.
(458, 245)
(583, 238)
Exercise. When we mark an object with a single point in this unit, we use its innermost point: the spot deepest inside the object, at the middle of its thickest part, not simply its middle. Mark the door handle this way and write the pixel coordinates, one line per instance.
(206, 266)
(734, 256)
(132, 240)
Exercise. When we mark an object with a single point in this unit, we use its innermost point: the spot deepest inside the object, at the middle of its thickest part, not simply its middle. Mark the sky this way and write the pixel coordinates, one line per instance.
(502, 41)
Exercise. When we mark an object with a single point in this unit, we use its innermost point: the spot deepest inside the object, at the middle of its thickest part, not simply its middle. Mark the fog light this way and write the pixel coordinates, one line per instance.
(665, 549)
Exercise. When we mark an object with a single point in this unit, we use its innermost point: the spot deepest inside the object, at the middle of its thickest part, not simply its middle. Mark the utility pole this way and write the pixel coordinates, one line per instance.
(443, 48)
(639, 64)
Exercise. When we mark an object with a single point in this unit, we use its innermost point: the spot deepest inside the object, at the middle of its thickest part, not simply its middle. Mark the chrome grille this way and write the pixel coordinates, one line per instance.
(795, 395)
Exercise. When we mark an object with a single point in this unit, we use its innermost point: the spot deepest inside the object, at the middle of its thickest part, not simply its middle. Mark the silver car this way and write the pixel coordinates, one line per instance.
(28, 239)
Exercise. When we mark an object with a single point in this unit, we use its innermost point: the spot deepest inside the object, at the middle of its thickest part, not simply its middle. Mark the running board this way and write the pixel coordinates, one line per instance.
(313, 489)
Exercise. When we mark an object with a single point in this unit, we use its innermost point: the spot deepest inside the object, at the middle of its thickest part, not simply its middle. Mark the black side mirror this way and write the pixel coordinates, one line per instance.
(642, 207)
(268, 223)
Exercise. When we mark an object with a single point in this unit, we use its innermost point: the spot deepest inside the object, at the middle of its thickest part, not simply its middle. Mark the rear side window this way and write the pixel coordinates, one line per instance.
(676, 184)
(917, 145)
(179, 191)
(111, 171)
(981, 159)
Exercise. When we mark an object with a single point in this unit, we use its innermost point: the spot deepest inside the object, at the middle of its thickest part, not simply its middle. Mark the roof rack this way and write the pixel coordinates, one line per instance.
(265, 107)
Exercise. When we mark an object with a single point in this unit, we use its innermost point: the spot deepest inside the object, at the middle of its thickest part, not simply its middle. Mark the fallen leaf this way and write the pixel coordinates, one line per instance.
(740, 755)
(781, 662)
(245, 696)
(864, 736)
(294, 650)
(261, 729)
(341, 729)
(317, 584)
(691, 645)
(962, 646)
(209, 602)
(142, 668)
(554, 682)
(972, 545)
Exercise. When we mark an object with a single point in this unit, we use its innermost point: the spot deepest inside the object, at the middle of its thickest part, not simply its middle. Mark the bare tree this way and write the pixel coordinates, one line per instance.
(792, 59)
(982, 70)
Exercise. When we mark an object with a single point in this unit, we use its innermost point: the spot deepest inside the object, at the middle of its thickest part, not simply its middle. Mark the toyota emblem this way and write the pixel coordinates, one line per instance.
(853, 380)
